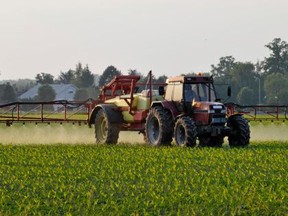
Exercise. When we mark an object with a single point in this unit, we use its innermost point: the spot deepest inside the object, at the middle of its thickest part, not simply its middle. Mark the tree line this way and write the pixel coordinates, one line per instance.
(263, 82)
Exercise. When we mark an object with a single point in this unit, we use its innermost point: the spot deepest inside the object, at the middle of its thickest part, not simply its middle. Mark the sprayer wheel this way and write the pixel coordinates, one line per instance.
(105, 131)
(240, 131)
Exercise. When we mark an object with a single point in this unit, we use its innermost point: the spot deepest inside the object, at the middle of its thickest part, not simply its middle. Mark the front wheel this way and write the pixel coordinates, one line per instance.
(105, 131)
(185, 132)
(240, 131)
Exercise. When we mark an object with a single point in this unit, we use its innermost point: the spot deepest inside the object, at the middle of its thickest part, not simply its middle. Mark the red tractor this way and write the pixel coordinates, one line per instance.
(184, 108)
(190, 111)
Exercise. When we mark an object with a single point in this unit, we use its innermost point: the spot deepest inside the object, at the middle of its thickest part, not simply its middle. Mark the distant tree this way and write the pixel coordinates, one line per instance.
(223, 74)
(66, 77)
(145, 79)
(161, 79)
(277, 62)
(44, 78)
(8, 93)
(46, 93)
(282, 96)
(108, 74)
(224, 67)
(243, 75)
(246, 96)
(134, 72)
(78, 69)
(81, 77)
(23, 85)
(86, 78)
(276, 86)
(2, 86)
(81, 95)
(93, 92)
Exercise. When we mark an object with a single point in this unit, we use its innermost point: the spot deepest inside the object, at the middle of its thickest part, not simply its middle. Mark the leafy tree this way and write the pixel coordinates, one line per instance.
(8, 93)
(222, 74)
(276, 85)
(93, 92)
(221, 86)
(46, 93)
(282, 96)
(67, 77)
(134, 72)
(81, 77)
(78, 69)
(1, 92)
(144, 79)
(224, 67)
(162, 79)
(108, 74)
(22, 85)
(236, 74)
(44, 78)
(243, 75)
(278, 59)
(81, 95)
(246, 96)
(86, 78)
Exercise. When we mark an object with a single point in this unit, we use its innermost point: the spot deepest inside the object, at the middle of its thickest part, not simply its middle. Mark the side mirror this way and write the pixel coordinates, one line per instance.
(229, 91)
(161, 90)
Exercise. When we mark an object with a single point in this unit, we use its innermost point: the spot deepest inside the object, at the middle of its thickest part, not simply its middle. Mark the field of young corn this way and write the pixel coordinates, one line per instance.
(63, 179)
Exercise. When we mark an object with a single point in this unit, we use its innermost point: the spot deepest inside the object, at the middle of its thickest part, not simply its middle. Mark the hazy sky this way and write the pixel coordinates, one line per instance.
(167, 36)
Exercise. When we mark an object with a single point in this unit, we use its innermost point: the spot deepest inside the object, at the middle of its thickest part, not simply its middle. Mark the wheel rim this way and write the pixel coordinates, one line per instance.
(153, 130)
(102, 129)
(180, 135)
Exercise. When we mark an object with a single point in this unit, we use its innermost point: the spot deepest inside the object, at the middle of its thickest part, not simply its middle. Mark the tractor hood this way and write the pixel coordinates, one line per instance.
(206, 113)
(206, 106)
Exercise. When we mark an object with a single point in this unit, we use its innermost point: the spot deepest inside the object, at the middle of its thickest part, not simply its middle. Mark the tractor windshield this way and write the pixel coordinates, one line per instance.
(199, 92)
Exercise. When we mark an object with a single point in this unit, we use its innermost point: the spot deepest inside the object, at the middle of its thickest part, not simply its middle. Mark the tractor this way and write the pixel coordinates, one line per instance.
(190, 111)
(185, 107)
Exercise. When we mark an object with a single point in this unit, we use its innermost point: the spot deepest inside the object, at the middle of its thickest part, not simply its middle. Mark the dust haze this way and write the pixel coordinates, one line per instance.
(56, 134)
(74, 134)
(269, 132)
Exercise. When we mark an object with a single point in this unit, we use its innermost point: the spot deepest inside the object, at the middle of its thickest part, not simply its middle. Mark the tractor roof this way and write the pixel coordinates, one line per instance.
(191, 79)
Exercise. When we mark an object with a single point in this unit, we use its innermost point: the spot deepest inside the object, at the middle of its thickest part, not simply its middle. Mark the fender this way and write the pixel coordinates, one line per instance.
(111, 111)
(167, 105)
(238, 114)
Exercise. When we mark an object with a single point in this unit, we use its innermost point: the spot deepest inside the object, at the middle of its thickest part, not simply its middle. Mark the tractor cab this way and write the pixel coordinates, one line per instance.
(192, 94)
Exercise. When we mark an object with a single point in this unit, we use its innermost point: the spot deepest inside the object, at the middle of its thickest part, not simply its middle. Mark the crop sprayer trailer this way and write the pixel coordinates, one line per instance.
(160, 111)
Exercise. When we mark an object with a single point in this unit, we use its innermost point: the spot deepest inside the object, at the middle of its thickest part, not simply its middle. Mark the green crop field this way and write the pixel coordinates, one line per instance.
(125, 179)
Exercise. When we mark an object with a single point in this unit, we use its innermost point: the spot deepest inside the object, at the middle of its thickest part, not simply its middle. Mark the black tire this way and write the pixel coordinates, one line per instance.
(240, 131)
(159, 127)
(211, 141)
(185, 132)
(105, 131)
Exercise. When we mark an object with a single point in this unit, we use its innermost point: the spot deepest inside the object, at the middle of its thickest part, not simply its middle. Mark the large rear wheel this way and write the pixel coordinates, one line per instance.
(159, 127)
(185, 132)
(240, 131)
(105, 131)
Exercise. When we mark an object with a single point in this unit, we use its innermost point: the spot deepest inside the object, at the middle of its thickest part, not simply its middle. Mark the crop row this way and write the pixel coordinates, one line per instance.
(129, 179)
